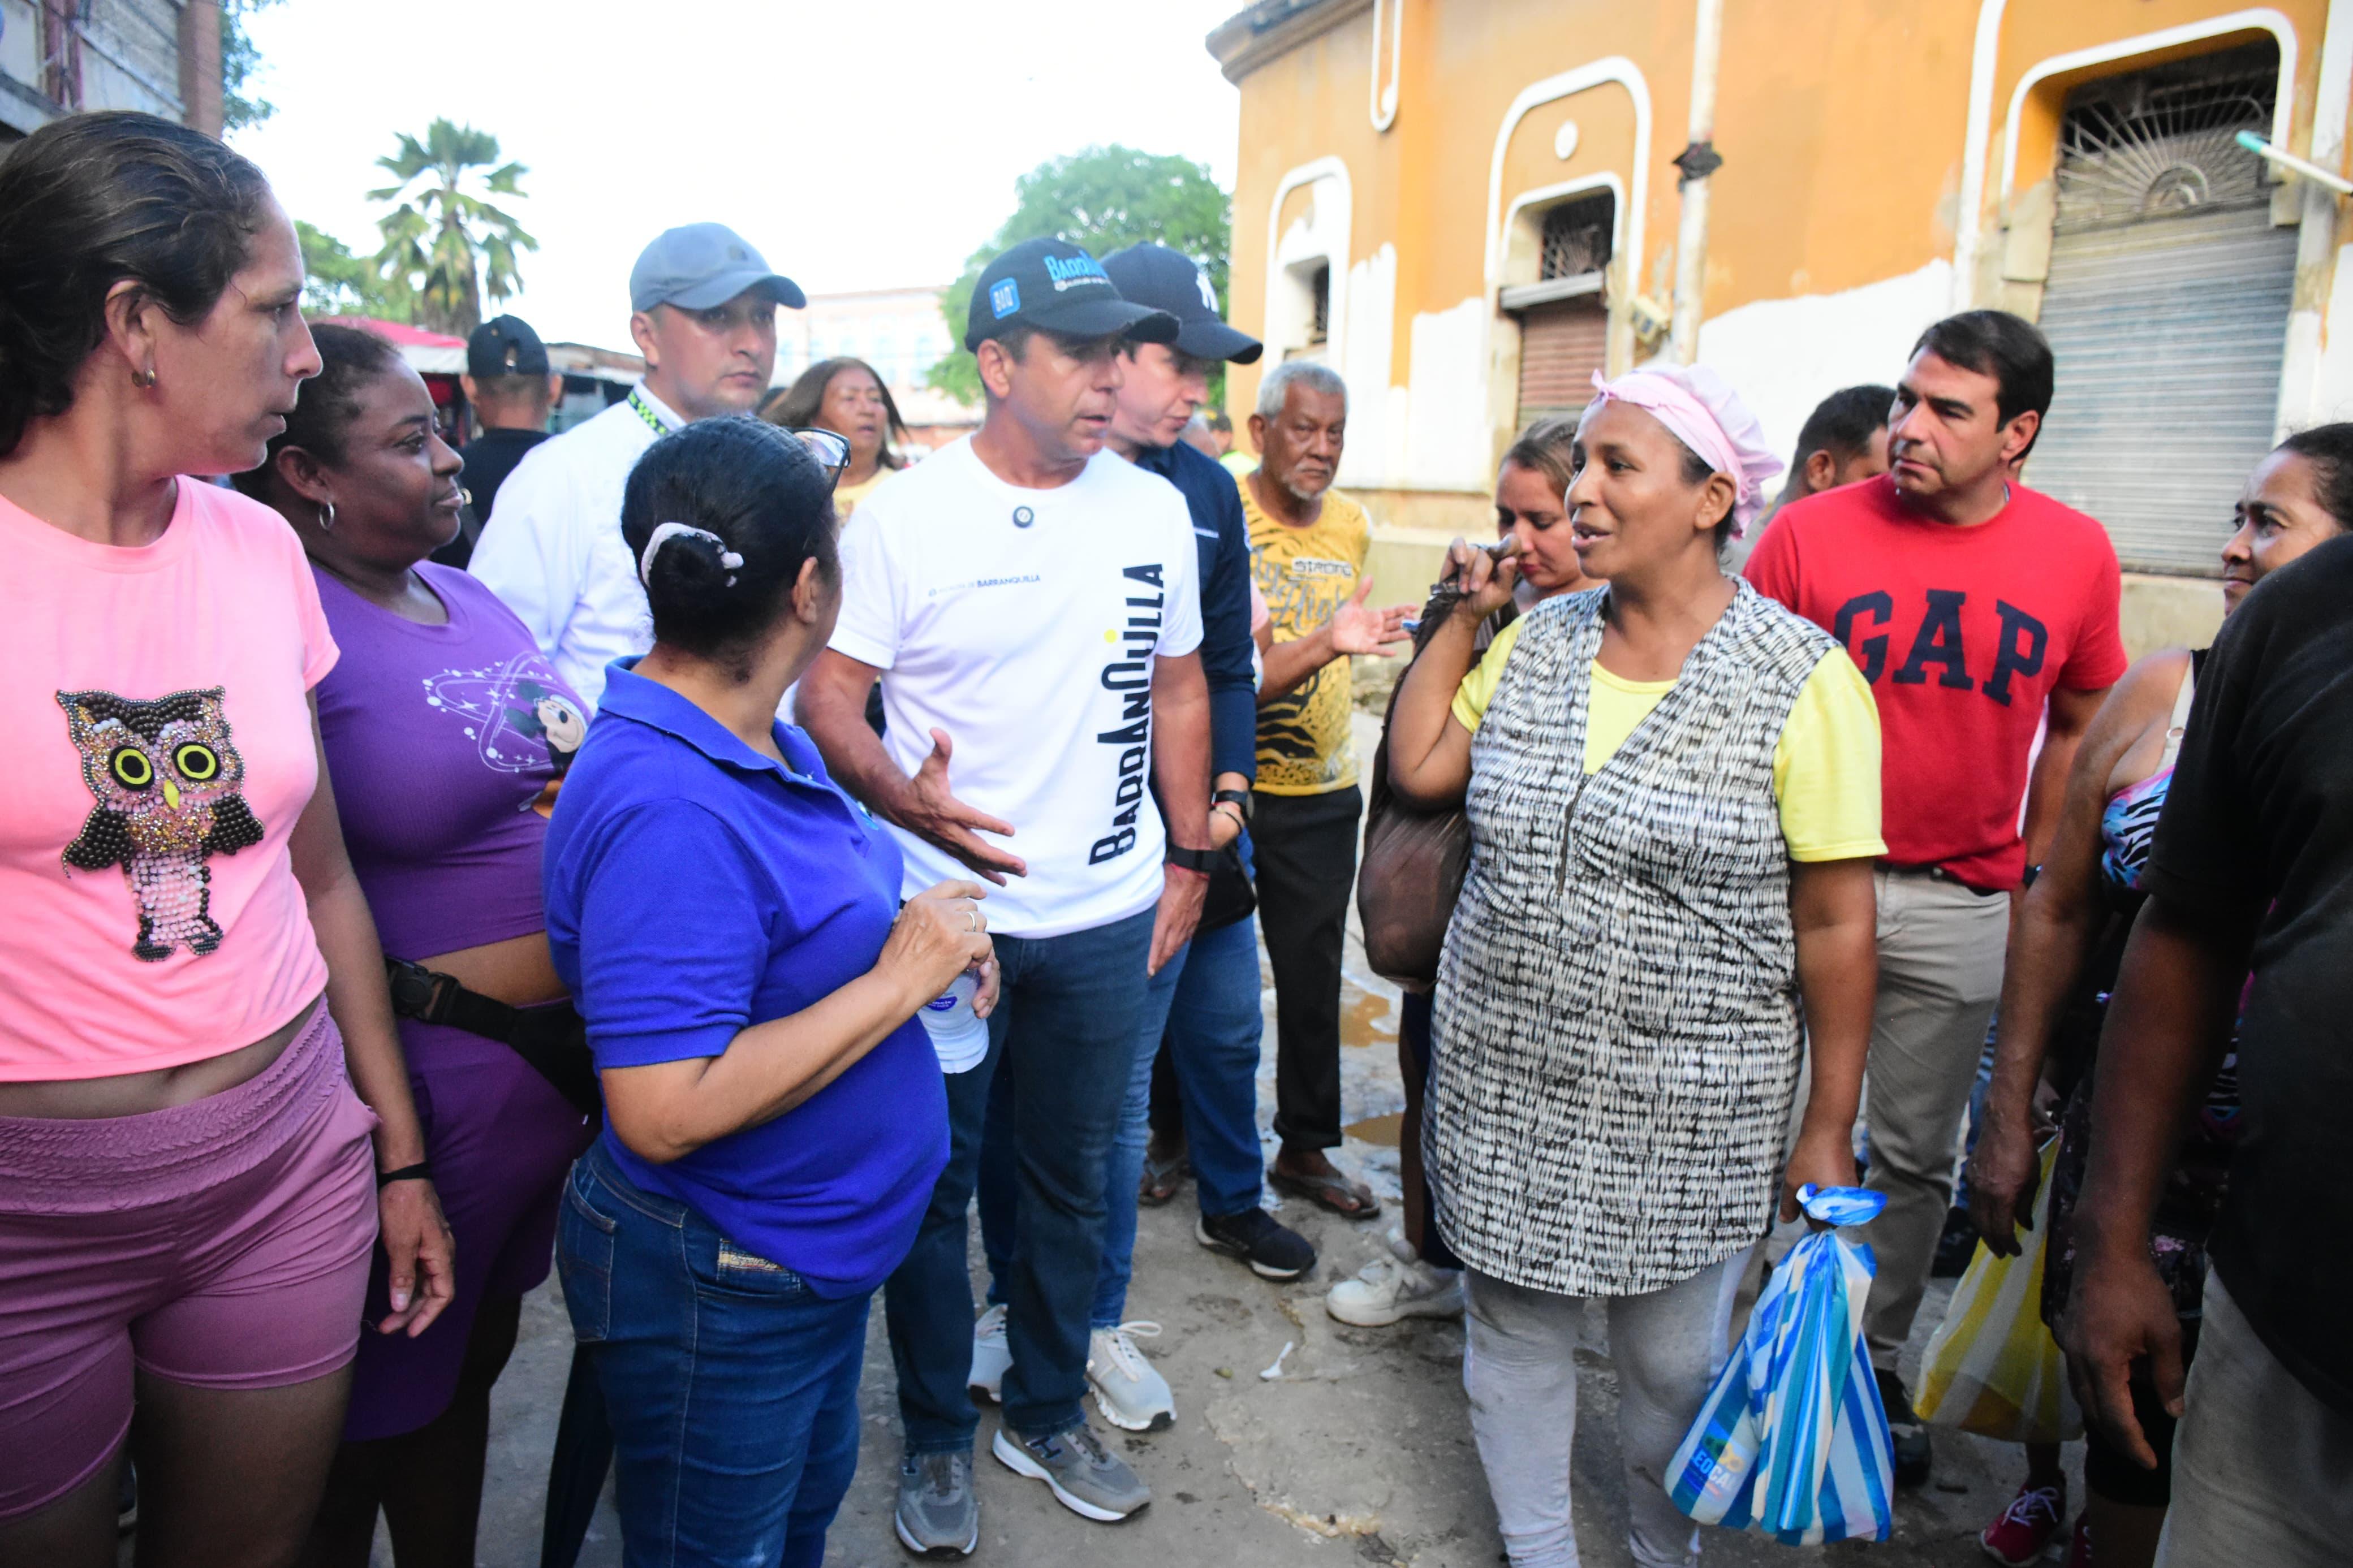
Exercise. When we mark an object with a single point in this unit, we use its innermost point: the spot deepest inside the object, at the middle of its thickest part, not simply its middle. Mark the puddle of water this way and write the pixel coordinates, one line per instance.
(1380, 1129)
(1366, 1018)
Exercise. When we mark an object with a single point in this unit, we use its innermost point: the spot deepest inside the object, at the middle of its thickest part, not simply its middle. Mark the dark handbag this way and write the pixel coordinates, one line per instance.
(554, 1041)
(1230, 897)
(1414, 860)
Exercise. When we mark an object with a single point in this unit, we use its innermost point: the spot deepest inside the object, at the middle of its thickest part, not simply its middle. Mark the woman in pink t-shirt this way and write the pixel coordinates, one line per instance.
(195, 990)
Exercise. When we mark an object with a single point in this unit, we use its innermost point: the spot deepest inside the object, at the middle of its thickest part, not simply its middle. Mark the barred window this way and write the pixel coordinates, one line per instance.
(1575, 237)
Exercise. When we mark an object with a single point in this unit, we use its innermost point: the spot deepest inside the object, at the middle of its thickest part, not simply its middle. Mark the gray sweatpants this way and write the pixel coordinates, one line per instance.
(1519, 1366)
(2263, 1472)
(1940, 959)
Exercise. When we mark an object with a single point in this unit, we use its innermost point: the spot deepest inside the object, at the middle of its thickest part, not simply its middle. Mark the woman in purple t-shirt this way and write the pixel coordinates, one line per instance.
(447, 734)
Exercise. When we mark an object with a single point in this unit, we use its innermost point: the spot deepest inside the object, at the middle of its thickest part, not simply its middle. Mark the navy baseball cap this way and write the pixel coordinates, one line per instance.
(505, 345)
(1168, 281)
(701, 264)
(1055, 287)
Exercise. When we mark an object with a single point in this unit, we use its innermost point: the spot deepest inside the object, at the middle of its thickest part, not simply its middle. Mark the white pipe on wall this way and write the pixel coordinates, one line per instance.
(2317, 248)
(1691, 234)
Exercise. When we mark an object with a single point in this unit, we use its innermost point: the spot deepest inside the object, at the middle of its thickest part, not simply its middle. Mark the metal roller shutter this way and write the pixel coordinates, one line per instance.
(2169, 335)
(2166, 306)
(1562, 344)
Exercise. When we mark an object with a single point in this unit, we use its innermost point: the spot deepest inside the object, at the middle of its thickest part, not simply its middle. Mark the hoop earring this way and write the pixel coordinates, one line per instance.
(327, 517)
(143, 379)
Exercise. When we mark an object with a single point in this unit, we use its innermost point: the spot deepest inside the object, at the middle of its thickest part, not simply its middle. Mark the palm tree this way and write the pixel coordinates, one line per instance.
(449, 244)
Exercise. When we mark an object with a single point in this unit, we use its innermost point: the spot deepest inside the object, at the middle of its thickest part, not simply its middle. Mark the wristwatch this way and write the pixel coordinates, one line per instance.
(1239, 799)
(1204, 861)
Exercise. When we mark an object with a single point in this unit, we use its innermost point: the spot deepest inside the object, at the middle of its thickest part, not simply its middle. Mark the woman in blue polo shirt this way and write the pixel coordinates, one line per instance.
(728, 923)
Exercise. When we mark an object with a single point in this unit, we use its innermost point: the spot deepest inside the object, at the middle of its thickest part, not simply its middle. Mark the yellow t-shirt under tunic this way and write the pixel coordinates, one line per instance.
(1825, 764)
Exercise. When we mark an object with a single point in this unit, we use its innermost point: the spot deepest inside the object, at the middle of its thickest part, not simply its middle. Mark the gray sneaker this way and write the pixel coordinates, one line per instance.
(1085, 1477)
(937, 1514)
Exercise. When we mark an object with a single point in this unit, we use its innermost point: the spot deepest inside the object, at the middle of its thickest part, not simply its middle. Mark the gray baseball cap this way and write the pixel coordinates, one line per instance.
(704, 264)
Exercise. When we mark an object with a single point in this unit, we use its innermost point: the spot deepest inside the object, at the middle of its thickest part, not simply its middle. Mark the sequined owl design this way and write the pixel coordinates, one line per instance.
(167, 783)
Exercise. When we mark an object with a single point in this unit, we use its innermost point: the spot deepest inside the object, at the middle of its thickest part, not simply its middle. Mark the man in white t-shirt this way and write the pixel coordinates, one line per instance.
(703, 312)
(1031, 605)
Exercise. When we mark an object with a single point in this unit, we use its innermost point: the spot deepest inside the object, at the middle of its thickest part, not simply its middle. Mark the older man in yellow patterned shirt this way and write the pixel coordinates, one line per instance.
(1308, 544)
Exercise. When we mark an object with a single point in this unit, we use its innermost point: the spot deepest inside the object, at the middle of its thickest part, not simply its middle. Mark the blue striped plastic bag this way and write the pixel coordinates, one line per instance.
(1792, 1441)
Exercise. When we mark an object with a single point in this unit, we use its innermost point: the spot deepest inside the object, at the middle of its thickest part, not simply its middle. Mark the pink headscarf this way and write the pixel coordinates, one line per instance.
(1705, 415)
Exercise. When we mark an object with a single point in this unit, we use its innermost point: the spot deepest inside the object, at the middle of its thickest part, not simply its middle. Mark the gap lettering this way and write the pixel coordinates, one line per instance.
(1937, 649)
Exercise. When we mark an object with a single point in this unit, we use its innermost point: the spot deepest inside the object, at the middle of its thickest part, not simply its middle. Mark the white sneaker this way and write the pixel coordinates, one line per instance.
(990, 1355)
(1396, 1287)
(1130, 1394)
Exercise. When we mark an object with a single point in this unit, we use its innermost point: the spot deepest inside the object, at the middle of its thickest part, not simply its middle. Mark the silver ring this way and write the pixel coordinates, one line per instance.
(972, 912)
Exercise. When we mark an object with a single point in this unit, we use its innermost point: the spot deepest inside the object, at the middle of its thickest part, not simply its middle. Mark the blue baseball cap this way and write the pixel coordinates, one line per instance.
(704, 264)
(1054, 285)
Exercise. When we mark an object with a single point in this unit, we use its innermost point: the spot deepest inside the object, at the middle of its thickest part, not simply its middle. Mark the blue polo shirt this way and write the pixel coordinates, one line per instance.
(696, 888)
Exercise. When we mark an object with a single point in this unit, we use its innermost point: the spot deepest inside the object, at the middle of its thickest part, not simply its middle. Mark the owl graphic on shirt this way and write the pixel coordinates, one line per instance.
(169, 784)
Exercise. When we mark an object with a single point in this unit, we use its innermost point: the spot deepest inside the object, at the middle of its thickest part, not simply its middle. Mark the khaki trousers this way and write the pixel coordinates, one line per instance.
(2259, 1466)
(1940, 961)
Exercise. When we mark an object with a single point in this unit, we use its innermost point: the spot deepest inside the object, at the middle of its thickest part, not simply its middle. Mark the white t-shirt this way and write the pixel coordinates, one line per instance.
(1025, 622)
(552, 548)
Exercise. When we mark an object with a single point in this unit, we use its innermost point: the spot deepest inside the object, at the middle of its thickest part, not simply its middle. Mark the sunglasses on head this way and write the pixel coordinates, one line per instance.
(830, 449)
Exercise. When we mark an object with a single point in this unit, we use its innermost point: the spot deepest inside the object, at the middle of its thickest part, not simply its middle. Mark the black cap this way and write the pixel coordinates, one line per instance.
(1168, 281)
(505, 345)
(1055, 287)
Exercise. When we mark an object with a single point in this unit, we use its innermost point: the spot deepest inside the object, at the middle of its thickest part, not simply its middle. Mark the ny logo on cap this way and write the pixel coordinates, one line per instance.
(1208, 295)
(1004, 298)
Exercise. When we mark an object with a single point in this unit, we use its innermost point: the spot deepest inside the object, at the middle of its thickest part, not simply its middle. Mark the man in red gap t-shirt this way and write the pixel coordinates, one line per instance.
(1970, 603)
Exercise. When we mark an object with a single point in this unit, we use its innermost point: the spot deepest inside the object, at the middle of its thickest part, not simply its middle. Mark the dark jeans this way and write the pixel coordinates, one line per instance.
(1204, 1003)
(732, 1389)
(1063, 1039)
(1214, 1030)
(1306, 846)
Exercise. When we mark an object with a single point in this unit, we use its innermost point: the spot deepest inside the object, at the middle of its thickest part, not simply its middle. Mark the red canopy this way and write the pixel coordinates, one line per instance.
(397, 333)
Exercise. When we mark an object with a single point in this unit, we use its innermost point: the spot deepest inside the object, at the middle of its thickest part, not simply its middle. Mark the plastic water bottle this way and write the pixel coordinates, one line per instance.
(959, 1034)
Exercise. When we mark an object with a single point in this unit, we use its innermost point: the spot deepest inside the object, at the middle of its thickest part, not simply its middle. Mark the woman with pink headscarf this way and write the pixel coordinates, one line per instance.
(1673, 786)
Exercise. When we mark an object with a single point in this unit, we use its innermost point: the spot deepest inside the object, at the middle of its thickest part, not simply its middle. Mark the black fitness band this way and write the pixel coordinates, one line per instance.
(420, 1171)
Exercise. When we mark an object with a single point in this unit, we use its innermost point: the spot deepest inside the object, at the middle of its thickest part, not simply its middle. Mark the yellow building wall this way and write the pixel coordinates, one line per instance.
(1835, 222)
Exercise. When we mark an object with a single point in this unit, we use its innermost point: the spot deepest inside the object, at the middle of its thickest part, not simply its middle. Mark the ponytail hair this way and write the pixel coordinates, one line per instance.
(752, 504)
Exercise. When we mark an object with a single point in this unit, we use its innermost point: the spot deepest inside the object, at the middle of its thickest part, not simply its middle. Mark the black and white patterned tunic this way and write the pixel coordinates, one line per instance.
(1616, 1028)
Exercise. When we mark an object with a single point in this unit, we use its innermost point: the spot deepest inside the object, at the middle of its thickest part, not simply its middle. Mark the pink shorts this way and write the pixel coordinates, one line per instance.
(224, 1244)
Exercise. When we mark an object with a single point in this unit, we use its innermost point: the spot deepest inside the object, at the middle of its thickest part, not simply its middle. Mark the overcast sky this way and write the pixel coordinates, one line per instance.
(858, 146)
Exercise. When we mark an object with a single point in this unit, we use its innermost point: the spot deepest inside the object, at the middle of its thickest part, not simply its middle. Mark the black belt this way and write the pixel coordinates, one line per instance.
(553, 1040)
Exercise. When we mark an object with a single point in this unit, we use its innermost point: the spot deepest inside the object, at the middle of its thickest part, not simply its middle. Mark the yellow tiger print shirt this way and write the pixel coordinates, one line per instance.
(1306, 574)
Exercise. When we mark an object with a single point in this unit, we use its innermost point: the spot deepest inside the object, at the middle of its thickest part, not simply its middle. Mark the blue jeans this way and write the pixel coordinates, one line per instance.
(732, 1387)
(1204, 1003)
(1061, 1043)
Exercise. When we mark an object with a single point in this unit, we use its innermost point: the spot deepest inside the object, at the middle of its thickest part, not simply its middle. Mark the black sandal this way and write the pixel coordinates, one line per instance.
(1162, 1181)
(1349, 1200)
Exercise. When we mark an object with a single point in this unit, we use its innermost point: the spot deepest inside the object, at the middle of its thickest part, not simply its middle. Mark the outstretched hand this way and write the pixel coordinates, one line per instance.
(1357, 629)
(933, 813)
